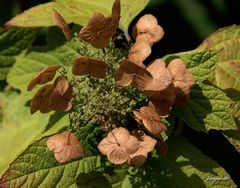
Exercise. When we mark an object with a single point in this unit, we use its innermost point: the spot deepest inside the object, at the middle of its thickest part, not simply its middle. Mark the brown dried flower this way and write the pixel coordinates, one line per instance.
(100, 29)
(89, 65)
(150, 119)
(128, 73)
(147, 144)
(118, 145)
(44, 76)
(40, 100)
(161, 146)
(62, 24)
(162, 80)
(65, 147)
(148, 30)
(60, 98)
(164, 104)
(183, 81)
(139, 52)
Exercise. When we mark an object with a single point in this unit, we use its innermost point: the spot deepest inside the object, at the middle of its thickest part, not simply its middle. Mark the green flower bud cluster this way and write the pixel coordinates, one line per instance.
(102, 101)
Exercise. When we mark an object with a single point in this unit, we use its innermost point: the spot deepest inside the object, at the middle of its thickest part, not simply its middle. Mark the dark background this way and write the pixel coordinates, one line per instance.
(186, 23)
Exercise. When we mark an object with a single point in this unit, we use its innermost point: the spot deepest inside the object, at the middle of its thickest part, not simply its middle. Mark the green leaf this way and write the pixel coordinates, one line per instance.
(12, 42)
(18, 128)
(37, 167)
(185, 166)
(209, 108)
(90, 135)
(200, 63)
(28, 65)
(221, 37)
(77, 11)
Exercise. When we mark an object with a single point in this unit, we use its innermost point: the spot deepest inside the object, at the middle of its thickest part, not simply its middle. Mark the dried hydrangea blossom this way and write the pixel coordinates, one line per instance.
(146, 145)
(162, 80)
(40, 100)
(89, 65)
(62, 24)
(161, 146)
(65, 147)
(118, 145)
(139, 52)
(44, 76)
(100, 29)
(183, 81)
(128, 73)
(61, 96)
(148, 30)
(150, 119)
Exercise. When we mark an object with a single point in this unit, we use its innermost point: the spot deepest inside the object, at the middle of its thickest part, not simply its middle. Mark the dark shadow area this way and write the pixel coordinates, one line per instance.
(54, 119)
(92, 180)
(218, 148)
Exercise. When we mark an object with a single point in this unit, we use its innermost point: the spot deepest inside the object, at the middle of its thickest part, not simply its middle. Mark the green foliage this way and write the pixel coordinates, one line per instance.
(209, 108)
(99, 105)
(13, 41)
(73, 12)
(18, 128)
(185, 166)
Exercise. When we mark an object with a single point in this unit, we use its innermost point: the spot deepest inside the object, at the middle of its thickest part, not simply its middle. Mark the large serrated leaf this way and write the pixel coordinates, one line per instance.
(218, 39)
(37, 167)
(209, 108)
(77, 11)
(201, 63)
(18, 128)
(12, 42)
(185, 166)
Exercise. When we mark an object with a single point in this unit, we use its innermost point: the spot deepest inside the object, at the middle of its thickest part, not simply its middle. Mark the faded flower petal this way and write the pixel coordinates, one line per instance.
(129, 73)
(146, 145)
(150, 119)
(40, 100)
(161, 146)
(151, 37)
(61, 96)
(139, 52)
(183, 81)
(62, 24)
(100, 29)
(44, 76)
(164, 104)
(118, 155)
(146, 23)
(89, 65)
(162, 80)
(65, 146)
(118, 145)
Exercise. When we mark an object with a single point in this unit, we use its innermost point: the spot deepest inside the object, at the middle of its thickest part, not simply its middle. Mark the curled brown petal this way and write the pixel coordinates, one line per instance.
(162, 147)
(62, 24)
(44, 76)
(183, 81)
(99, 29)
(146, 145)
(65, 146)
(40, 100)
(164, 104)
(129, 73)
(60, 98)
(150, 119)
(88, 65)
(139, 52)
